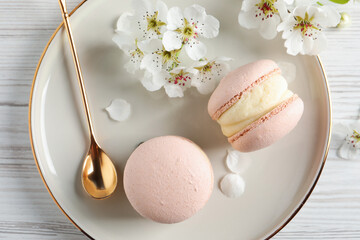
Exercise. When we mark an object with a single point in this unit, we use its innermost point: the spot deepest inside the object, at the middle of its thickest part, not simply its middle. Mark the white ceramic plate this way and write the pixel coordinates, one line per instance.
(279, 179)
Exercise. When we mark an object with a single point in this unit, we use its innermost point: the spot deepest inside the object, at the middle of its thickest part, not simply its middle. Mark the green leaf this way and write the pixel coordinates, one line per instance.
(340, 1)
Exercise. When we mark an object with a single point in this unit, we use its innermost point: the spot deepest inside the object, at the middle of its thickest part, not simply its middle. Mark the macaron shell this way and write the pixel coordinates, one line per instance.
(235, 83)
(168, 179)
(270, 128)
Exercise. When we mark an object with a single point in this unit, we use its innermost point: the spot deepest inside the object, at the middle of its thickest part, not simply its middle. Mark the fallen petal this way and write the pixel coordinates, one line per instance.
(119, 110)
(341, 130)
(347, 151)
(237, 162)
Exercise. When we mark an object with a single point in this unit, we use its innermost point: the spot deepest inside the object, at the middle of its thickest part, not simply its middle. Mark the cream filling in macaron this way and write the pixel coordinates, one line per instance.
(254, 104)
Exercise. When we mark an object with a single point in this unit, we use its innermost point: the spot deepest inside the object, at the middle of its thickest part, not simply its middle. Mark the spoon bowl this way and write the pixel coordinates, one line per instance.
(99, 177)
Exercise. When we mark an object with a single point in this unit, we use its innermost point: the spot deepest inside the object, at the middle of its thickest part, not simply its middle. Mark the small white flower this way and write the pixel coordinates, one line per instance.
(185, 29)
(264, 15)
(175, 81)
(209, 73)
(119, 110)
(157, 58)
(302, 29)
(147, 21)
(350, 135)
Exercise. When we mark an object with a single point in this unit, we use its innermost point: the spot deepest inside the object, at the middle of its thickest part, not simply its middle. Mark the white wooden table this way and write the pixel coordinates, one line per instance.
(27, 210)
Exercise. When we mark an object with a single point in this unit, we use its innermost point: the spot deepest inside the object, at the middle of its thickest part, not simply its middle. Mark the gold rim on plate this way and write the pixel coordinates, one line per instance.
(285, 220)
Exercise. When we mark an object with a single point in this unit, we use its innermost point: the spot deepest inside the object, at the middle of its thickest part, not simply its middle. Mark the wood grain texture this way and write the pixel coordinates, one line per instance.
(27, 210)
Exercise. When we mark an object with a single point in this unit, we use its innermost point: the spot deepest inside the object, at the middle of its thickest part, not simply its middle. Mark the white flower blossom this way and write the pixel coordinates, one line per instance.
(184, 30)
(146, 22)
(175, 82)
(209, 73)
(162, 44)
(302, 29)
(157, 58)
(264, 15)
(350, 135)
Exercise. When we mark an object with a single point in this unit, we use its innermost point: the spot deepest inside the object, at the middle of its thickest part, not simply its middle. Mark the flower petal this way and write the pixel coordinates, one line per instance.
(319, 45)
(124, 41)
(248, 20)
(289, 2)
(152, 60)
(268, 27)
(301, 10)
(205, 87)
(162, 10)
(294, 43)
(237, 162)
(125, 23)
(332, 17)
(195, 49)
(150, 45)
(223, 59)
(195, 13)
(247, 5)
(209, 28)
(355, 125)
(141, 6)
(232, 185)
(132, 66)
(285, 25)
(341, 130)
(171, 41)
(173, 90)
(282, 9)
(152, 82)
(151, 63)
(175, 18)
(347, 151)
(119, 110)
(308, 45)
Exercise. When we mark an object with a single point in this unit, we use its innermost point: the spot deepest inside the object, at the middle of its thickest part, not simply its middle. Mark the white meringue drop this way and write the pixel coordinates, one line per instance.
(232, 185)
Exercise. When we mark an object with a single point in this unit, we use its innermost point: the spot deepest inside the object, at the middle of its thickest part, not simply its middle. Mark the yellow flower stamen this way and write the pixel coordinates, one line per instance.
(304, 24)
(154, 24)
(169, 55)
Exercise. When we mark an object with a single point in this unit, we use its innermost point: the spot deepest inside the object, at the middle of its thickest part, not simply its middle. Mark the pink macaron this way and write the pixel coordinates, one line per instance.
(254, 107)
(168, 179)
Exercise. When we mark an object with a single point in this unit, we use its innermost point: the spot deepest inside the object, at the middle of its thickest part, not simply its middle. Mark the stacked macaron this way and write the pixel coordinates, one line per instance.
(254, 107)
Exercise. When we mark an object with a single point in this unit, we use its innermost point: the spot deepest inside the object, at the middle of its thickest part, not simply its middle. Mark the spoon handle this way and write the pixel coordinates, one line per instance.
(66, 21)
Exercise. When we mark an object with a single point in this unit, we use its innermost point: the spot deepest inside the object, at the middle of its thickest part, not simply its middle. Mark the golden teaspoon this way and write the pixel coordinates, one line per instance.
(98, 176)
